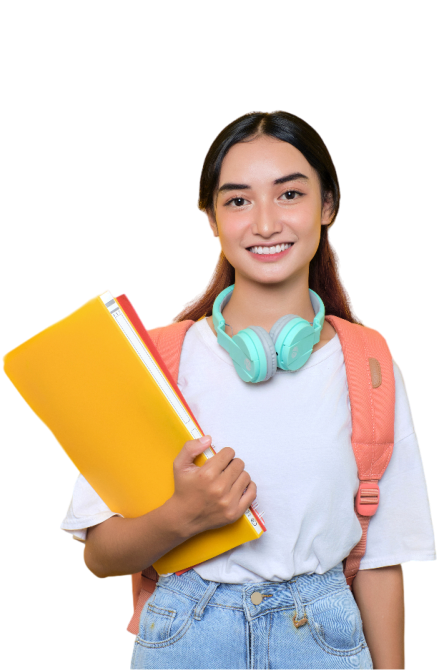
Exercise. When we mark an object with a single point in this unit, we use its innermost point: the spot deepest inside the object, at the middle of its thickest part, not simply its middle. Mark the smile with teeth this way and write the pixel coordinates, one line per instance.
(270, 250)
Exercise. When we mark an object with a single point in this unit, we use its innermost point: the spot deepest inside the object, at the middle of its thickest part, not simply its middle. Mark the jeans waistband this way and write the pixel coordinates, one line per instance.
(305, 587)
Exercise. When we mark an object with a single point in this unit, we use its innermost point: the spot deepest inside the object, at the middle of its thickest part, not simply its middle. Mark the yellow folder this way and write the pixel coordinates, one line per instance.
(95, 380)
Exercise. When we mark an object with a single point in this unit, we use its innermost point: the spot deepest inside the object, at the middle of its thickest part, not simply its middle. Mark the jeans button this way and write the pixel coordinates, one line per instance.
(256, 598)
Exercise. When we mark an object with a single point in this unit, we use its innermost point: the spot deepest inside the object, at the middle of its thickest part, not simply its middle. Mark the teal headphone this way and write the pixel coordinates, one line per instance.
(257, 354)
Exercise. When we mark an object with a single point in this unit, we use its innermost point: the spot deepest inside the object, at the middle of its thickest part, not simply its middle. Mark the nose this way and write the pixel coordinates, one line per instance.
(266, 220)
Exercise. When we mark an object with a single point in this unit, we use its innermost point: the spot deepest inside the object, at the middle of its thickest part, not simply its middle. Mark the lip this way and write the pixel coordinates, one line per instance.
(273, 244)
(271, 257)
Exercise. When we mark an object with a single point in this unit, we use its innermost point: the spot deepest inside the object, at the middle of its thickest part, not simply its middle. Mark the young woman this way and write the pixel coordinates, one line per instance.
(270, 192)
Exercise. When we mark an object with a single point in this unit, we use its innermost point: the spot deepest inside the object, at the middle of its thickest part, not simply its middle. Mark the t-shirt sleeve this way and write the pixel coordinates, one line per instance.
(401, 529)
(86, 509)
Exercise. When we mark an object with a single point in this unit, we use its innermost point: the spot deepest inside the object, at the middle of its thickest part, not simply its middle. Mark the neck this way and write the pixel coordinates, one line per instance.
(255, 304)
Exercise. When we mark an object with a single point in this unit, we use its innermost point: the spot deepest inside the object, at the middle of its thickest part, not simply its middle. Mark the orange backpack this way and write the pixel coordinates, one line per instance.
(371, 385)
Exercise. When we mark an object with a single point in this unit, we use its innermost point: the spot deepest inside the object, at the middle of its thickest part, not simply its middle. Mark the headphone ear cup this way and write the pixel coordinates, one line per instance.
(269, 350)
(252, 364)
(294, 344)
(275, 332)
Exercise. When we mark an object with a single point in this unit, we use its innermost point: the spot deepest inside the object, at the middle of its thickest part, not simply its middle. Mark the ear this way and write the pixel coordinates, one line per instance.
(327, 210)
(212, 223)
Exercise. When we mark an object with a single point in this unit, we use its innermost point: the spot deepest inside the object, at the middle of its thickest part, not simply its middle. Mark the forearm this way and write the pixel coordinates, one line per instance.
(121, 546)
(379, 594)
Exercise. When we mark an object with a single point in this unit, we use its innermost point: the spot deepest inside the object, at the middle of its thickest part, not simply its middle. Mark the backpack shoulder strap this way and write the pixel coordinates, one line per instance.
(371, 385)
(168, 341)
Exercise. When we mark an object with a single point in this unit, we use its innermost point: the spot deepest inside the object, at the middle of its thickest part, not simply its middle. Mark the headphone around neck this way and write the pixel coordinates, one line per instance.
(256, 354)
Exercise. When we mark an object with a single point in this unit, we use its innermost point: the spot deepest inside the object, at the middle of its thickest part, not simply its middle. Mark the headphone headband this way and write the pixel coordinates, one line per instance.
(257, 354)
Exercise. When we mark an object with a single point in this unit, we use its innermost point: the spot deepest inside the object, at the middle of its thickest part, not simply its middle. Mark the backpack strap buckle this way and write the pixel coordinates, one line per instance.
(368, 497)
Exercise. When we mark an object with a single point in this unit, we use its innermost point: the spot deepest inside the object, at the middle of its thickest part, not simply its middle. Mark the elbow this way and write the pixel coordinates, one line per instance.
(92, 564)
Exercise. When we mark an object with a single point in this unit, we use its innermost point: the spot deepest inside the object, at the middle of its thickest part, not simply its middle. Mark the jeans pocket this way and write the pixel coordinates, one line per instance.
(336, 623)
(166, 617)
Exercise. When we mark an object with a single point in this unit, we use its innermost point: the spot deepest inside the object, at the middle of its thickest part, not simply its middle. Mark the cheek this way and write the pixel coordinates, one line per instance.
(231, 229)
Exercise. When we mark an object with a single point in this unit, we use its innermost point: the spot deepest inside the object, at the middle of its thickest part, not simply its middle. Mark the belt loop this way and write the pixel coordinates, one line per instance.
(199, 609)
(300, 617)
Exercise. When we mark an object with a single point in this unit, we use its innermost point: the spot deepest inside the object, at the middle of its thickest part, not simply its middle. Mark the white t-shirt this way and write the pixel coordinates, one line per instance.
(293, 433)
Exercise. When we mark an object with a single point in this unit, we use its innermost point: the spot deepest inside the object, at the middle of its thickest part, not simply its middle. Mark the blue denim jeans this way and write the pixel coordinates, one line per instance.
(310, 621)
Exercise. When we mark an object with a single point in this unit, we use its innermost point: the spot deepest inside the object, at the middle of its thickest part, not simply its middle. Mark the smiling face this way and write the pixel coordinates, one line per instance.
(268, 194)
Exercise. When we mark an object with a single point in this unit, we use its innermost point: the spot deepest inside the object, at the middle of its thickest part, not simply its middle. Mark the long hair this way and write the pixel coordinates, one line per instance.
(324, 278)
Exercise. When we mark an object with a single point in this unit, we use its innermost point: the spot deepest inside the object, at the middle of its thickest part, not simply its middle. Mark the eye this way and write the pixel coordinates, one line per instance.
(290, 191)
(232, 200)
(235, 199)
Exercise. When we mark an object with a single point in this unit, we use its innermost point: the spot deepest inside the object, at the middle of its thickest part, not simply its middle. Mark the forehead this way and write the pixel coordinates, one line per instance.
(263, 160)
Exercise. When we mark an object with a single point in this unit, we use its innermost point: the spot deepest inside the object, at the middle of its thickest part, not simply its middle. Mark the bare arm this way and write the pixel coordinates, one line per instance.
(210, 496)
(121, 546)
(380, 597)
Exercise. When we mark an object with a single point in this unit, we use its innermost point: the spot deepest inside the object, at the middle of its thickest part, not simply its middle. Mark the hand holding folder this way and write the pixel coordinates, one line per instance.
(97, 381)
(215, 498)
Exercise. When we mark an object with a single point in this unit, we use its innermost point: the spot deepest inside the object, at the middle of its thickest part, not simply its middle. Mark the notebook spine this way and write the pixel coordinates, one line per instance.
(127, 319)
(258, 515)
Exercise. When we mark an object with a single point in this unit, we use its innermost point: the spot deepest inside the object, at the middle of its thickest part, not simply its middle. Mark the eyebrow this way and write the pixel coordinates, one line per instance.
(295, 176)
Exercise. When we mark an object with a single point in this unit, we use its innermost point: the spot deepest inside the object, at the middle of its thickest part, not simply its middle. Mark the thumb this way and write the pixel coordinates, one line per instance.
(192, 449)
(204, 441)
(201, 444)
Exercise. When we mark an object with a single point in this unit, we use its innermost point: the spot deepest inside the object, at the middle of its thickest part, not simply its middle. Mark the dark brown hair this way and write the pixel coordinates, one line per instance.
(323, 268)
